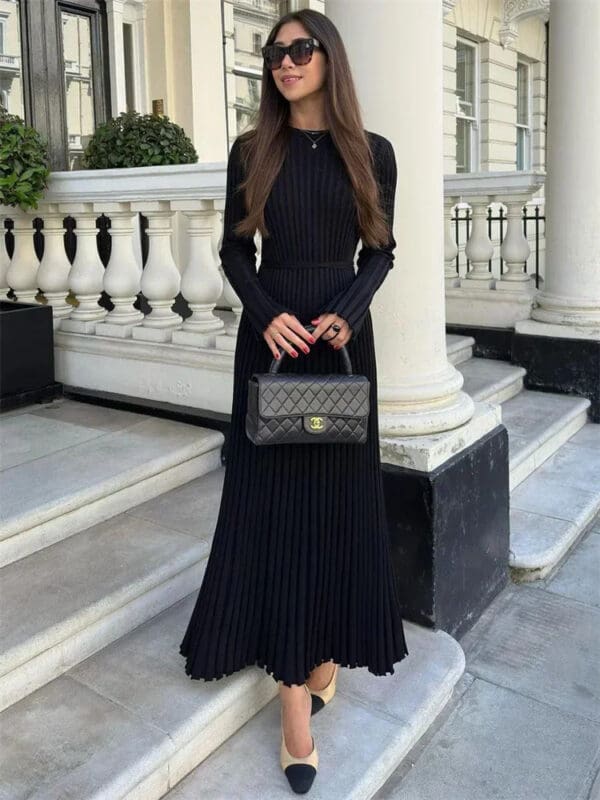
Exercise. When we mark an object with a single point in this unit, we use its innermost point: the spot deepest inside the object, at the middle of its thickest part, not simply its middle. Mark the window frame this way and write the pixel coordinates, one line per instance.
(474, 121)
(43, 70)
(525, 127)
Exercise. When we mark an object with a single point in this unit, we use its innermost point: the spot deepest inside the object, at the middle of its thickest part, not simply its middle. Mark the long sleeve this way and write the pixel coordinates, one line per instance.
(238, 253)
(373, 264)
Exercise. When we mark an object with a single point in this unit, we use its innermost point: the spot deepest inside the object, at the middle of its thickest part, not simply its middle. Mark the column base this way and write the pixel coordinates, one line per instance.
(449, 534)
(556, 363)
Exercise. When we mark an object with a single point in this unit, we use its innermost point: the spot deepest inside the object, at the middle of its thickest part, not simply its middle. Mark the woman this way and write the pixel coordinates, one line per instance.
(299, 578)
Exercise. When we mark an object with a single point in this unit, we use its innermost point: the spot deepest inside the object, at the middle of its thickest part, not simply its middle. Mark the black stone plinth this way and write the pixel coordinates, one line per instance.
(26, 354)
(553, 364)
(449, 533)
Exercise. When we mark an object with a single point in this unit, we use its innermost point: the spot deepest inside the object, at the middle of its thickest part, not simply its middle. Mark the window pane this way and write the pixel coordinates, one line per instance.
(252, 21)
(11, 70)
(129, 67)
(522, 94)
(79, 90)
(465, 78)
(463, 145)
(523, 139)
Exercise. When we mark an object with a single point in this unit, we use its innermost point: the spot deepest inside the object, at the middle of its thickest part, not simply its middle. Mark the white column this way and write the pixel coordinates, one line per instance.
(569, 305)
(116, 51)
(420, 392)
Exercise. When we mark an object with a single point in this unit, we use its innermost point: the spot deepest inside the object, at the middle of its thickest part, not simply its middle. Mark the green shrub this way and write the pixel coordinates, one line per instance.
(135, 140)
(24, 160)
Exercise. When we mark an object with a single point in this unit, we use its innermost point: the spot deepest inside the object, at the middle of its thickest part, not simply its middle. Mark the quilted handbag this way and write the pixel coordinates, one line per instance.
(301, 408)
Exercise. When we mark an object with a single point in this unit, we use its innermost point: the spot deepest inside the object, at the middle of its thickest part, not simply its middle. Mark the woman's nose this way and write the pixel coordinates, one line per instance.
(287, 60)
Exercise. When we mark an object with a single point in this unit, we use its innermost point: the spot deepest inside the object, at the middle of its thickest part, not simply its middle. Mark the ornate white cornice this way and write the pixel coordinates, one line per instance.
(516, 10)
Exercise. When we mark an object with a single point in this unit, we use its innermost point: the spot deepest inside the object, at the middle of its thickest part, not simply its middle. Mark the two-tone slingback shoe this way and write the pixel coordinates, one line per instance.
(320, 697)
(300, 772)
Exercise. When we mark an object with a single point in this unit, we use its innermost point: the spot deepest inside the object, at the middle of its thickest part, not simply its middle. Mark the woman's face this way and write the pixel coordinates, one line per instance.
(310, 77)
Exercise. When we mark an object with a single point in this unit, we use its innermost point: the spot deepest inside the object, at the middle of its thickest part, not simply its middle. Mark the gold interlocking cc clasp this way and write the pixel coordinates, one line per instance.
(316, 423)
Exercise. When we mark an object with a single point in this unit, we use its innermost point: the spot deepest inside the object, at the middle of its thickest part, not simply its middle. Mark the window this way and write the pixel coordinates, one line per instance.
(79, 87)
(63, 72)
(129, 67)
(523, 116)
(467, 101)
(11, 71)
(250, 22)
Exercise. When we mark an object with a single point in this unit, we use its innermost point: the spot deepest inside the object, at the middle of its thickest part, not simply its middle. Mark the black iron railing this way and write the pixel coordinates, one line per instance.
(464, 221)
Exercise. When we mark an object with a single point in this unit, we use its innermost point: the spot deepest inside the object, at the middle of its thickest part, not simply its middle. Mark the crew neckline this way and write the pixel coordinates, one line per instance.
(310, 130)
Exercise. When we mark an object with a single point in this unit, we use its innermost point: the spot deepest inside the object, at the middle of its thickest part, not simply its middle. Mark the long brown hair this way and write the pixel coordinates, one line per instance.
(263, 148)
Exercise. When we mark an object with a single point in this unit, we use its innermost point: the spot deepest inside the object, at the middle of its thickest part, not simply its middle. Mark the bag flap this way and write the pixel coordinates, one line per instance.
(288, 395)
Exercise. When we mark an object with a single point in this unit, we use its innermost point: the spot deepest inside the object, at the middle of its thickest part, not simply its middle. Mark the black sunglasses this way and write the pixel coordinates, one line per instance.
(300, 51)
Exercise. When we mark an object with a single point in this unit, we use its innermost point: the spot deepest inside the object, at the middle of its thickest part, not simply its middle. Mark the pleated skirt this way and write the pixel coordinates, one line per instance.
(299, 570)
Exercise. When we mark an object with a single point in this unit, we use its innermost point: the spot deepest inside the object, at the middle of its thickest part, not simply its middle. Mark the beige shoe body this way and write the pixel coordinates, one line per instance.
(300, 771)
(320, 697)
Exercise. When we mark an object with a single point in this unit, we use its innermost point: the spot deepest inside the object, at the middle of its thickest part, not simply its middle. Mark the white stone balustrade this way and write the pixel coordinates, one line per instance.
(482, 297)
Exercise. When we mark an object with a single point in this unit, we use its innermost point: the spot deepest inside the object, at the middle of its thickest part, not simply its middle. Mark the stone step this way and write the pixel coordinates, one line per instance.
(66, 601)
(128, 723)
(538, 423)
(459, 348)
(490, 380)
(70, 465)
(551, 508)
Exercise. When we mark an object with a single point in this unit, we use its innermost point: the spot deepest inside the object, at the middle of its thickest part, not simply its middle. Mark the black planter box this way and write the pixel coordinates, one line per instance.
(26, 354)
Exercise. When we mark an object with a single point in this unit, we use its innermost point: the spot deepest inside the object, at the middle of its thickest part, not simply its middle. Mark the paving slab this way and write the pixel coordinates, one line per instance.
(579, 576)
(541, 645)
(498, 744)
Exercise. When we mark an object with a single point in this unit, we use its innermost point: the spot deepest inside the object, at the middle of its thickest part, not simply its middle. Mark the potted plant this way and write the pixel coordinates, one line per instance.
(26, 331)
(138, 140)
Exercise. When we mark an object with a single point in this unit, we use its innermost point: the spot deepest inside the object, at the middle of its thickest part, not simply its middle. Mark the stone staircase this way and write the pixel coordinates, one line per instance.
(106, 523)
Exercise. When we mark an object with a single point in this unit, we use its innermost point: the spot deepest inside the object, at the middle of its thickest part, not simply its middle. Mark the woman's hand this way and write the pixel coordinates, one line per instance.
(287, 330)
(324, 323)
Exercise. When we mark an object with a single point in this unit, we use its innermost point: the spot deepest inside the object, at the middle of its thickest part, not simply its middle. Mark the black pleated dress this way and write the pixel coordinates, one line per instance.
(299, 570)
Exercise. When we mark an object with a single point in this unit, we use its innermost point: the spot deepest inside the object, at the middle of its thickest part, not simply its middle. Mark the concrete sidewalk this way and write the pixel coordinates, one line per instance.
(524, 723)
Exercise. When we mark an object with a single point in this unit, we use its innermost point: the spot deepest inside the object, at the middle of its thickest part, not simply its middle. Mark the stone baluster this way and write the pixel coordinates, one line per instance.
(451, 278)
(479, 248)
(22, 272)
(4, 259)
(201, 282)
(87, 271)
(123, 273)
(53, 273)
(161, 279)
(515, 249)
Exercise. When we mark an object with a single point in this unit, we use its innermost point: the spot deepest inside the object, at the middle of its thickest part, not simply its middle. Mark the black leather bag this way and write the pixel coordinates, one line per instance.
(301, 408)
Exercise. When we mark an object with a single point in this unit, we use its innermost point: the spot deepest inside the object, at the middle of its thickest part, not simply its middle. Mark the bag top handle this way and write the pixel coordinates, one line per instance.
(347, 363)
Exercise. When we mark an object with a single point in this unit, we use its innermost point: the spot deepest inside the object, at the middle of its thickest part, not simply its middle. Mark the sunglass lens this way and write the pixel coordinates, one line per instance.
(301, 52)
